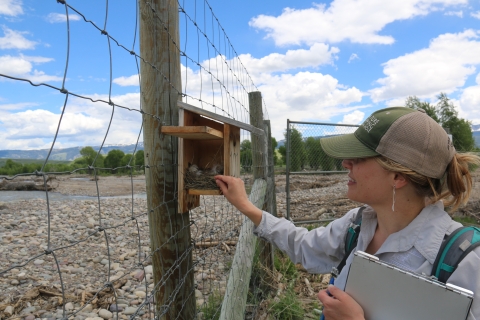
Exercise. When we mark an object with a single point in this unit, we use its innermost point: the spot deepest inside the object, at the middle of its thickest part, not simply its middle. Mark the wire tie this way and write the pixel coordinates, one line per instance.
(132, 53)
(104, 32)
(100, 229)
(63, 90)
(61, 1)
(48, 251)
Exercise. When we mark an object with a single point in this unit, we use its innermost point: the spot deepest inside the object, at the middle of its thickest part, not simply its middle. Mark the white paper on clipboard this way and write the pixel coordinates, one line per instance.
(387, 292)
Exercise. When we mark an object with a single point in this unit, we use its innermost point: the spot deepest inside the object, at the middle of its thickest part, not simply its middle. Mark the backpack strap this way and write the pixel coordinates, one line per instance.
(351, 238)
(454, 248)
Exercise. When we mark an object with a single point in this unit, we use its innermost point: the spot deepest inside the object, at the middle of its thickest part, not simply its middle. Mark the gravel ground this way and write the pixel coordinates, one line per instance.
(33, 288)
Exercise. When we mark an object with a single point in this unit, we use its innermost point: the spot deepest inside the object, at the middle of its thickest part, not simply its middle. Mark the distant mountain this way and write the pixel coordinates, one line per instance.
(66, 154)
(475, 127)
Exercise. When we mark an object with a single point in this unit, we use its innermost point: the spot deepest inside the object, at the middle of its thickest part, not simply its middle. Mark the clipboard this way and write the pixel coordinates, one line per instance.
(388, 292)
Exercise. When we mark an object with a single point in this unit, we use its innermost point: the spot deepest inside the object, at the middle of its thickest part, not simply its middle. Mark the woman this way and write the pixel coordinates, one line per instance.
(403, 167)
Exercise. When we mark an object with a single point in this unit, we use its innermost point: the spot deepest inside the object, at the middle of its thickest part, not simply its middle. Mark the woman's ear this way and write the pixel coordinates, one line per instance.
(400, 180)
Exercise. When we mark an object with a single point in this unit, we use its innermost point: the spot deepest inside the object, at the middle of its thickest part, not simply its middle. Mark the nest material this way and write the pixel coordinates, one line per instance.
(202, 179)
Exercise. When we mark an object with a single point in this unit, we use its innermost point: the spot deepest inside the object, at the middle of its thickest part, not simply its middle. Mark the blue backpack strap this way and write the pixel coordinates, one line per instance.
(351, 238)
(454, 248)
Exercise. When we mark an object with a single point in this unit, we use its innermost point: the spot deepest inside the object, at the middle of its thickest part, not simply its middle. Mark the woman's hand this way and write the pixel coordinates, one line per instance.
(339, 305)
(234, 190)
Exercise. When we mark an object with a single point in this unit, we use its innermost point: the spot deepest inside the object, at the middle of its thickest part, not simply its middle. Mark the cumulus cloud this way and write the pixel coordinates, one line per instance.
(355, 117)
(11, 7)
(356, 21)
(61, 17)
(22, 67)
(317, 55)
(15, 40)
(476, 14)
(442, 67)
(132, 80)
(470, 102)
(83, 123)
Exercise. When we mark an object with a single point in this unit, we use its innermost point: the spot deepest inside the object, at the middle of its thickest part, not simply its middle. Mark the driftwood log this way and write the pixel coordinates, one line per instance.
(27, 185)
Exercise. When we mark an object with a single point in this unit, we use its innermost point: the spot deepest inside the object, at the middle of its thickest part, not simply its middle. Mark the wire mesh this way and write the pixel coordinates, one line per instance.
(310, 168)
(89, 254)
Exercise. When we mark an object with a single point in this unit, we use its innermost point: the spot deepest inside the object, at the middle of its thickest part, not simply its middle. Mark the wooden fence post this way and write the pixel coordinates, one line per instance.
(169, 231)
(235, 299)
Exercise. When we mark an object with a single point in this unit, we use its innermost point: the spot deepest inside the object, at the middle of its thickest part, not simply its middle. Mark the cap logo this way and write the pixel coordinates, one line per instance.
(370, 123)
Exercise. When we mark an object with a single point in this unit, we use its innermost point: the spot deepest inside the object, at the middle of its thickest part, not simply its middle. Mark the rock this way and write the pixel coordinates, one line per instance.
(38, 262)
(130, 310)
(149, 269)
(14, 282)
(105, 314)
(29, 317)
(139, 275)
(69, 306)
(140, 294)
(9, 310)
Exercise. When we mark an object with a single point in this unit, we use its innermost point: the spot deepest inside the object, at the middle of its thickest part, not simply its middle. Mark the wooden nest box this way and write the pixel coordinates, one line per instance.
(208, 144)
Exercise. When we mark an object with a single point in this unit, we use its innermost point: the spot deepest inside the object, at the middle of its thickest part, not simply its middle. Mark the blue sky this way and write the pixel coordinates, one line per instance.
(333, 61)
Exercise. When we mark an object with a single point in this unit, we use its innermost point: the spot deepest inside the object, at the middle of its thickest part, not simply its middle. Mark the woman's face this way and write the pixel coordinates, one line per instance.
(368, 182)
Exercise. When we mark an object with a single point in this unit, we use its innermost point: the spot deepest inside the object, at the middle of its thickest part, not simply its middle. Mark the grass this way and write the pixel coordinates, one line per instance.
(287, 307)
(35, 161)
(211, 309)
(466, 220)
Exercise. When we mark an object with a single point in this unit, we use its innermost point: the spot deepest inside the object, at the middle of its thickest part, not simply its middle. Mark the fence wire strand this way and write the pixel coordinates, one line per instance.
(89, 257)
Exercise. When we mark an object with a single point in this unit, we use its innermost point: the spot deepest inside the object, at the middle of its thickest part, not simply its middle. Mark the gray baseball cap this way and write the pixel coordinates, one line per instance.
(407, 136)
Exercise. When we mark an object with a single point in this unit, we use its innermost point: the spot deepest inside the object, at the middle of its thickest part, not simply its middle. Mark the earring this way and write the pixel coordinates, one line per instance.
(393, 204)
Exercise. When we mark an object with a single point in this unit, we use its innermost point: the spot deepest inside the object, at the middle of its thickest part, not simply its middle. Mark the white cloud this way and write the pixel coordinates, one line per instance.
(83, 123)
(22, 67)
(476, 15)
(17, 106)
(11, 7)
(133, 80)
(470, 102)
(318, 54)
(15, 40)
(356, 21)
(355, 117)
(442, 67)
(299, 96)
(353, 56)
(454, 13)
(61, 17)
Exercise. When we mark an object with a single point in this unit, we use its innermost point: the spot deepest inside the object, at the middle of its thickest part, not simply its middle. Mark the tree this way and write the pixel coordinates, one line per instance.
(283, 152)
(274, 148)
(140, 158)
(298, 155)
(127, 159)
(460, 129)
(446, 115)
(246, 155)
(313, 149)
(114, 158)
(88, 154)
(415, 103)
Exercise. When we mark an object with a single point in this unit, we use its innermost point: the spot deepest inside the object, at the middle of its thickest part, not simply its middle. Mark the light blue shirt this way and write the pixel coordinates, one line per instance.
(413, 248)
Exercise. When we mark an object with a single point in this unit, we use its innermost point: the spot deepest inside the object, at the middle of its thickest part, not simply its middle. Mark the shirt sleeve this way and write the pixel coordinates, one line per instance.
(317, 250)
(467, 276)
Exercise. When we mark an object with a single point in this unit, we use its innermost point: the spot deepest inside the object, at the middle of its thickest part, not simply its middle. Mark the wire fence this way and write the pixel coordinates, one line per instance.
(309, 167)
(102, 256)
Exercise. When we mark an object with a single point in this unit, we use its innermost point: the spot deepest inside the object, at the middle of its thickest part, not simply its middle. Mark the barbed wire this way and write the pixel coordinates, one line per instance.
(215, 224)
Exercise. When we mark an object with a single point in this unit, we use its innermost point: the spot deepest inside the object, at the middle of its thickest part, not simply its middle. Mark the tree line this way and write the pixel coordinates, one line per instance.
(308, 153)
(109, 163)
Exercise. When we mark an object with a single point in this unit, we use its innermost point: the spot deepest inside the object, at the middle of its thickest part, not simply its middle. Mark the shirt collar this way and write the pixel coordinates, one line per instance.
(426, 232)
